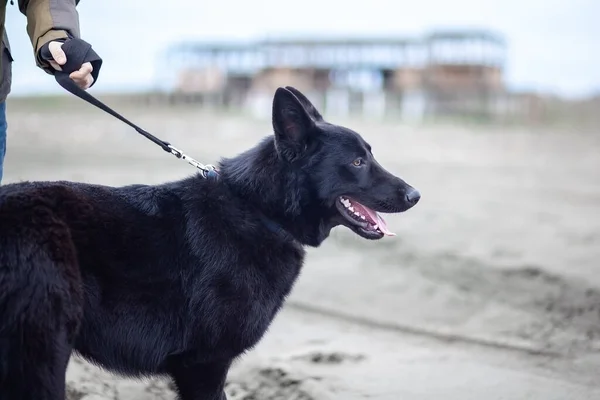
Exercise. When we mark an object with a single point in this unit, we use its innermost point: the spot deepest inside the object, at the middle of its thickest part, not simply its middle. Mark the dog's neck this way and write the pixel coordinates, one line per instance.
(260, 178)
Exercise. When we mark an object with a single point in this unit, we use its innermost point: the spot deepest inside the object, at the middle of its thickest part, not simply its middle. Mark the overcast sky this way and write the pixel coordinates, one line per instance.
(554, 45)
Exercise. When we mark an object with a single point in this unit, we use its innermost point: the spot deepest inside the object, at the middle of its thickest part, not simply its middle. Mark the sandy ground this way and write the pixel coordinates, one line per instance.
(491, 290)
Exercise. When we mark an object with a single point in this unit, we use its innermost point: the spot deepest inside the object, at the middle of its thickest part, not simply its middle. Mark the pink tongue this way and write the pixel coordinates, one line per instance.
(378, 220)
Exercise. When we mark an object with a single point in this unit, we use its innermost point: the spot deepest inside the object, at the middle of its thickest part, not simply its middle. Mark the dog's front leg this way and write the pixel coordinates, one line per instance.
(200, 381)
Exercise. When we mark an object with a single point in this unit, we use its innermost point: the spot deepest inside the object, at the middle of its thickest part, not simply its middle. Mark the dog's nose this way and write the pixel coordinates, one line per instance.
(413, 196)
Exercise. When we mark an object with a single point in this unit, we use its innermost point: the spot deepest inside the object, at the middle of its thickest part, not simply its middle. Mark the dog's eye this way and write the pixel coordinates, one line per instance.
(358, 162)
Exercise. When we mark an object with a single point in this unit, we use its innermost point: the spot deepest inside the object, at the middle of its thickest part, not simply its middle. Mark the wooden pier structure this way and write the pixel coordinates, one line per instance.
(439, 73)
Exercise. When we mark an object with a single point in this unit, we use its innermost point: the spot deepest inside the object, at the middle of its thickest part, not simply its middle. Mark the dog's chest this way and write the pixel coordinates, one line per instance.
(237, 309)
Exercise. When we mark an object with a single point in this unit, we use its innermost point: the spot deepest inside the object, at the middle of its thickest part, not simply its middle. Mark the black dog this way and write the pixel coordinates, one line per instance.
(184, 277)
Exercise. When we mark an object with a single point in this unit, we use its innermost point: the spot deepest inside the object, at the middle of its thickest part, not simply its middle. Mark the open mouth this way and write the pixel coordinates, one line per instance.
(363, 220)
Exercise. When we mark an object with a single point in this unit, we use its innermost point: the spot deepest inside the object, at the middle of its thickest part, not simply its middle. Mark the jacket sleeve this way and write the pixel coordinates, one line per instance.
(49, 20)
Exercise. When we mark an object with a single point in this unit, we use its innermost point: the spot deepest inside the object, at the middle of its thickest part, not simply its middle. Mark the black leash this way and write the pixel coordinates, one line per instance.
(79, 52)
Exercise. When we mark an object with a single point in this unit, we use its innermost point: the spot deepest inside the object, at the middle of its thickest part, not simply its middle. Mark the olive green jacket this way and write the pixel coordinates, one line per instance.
(46, 20)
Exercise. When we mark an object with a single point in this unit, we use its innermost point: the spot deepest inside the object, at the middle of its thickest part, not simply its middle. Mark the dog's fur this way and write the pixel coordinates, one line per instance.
(179, 278)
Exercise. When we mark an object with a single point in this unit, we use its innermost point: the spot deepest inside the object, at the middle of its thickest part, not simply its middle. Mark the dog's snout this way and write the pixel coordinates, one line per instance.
(413, 196)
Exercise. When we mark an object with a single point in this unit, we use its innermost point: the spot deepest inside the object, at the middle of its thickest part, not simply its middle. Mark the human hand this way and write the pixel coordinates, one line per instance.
(82, 77)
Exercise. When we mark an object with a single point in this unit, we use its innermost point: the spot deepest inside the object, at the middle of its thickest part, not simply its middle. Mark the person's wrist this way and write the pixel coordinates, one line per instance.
(43, 43)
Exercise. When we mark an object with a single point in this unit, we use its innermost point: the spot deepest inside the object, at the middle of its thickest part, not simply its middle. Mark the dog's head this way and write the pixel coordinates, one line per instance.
(348, 186)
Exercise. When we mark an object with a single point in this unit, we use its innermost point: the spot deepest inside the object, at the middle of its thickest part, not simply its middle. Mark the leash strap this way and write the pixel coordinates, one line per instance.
(79, 52)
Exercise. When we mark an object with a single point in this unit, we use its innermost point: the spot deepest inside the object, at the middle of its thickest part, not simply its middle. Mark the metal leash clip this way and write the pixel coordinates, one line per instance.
(207, 171)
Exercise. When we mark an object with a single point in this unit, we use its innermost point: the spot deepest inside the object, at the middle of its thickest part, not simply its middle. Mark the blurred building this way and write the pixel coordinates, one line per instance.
(440, 73)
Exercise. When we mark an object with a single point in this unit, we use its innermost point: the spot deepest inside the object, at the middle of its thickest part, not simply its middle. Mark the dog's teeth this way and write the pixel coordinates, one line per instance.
(356, 213)
(375, 227)
(363, 217)
(351, 208)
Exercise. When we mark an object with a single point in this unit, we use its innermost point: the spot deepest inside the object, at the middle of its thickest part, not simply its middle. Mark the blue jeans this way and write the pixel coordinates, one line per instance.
(3, 127)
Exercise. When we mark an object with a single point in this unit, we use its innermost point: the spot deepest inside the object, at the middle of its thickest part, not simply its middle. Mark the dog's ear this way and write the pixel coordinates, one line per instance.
(308, 106)
(291, 123)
